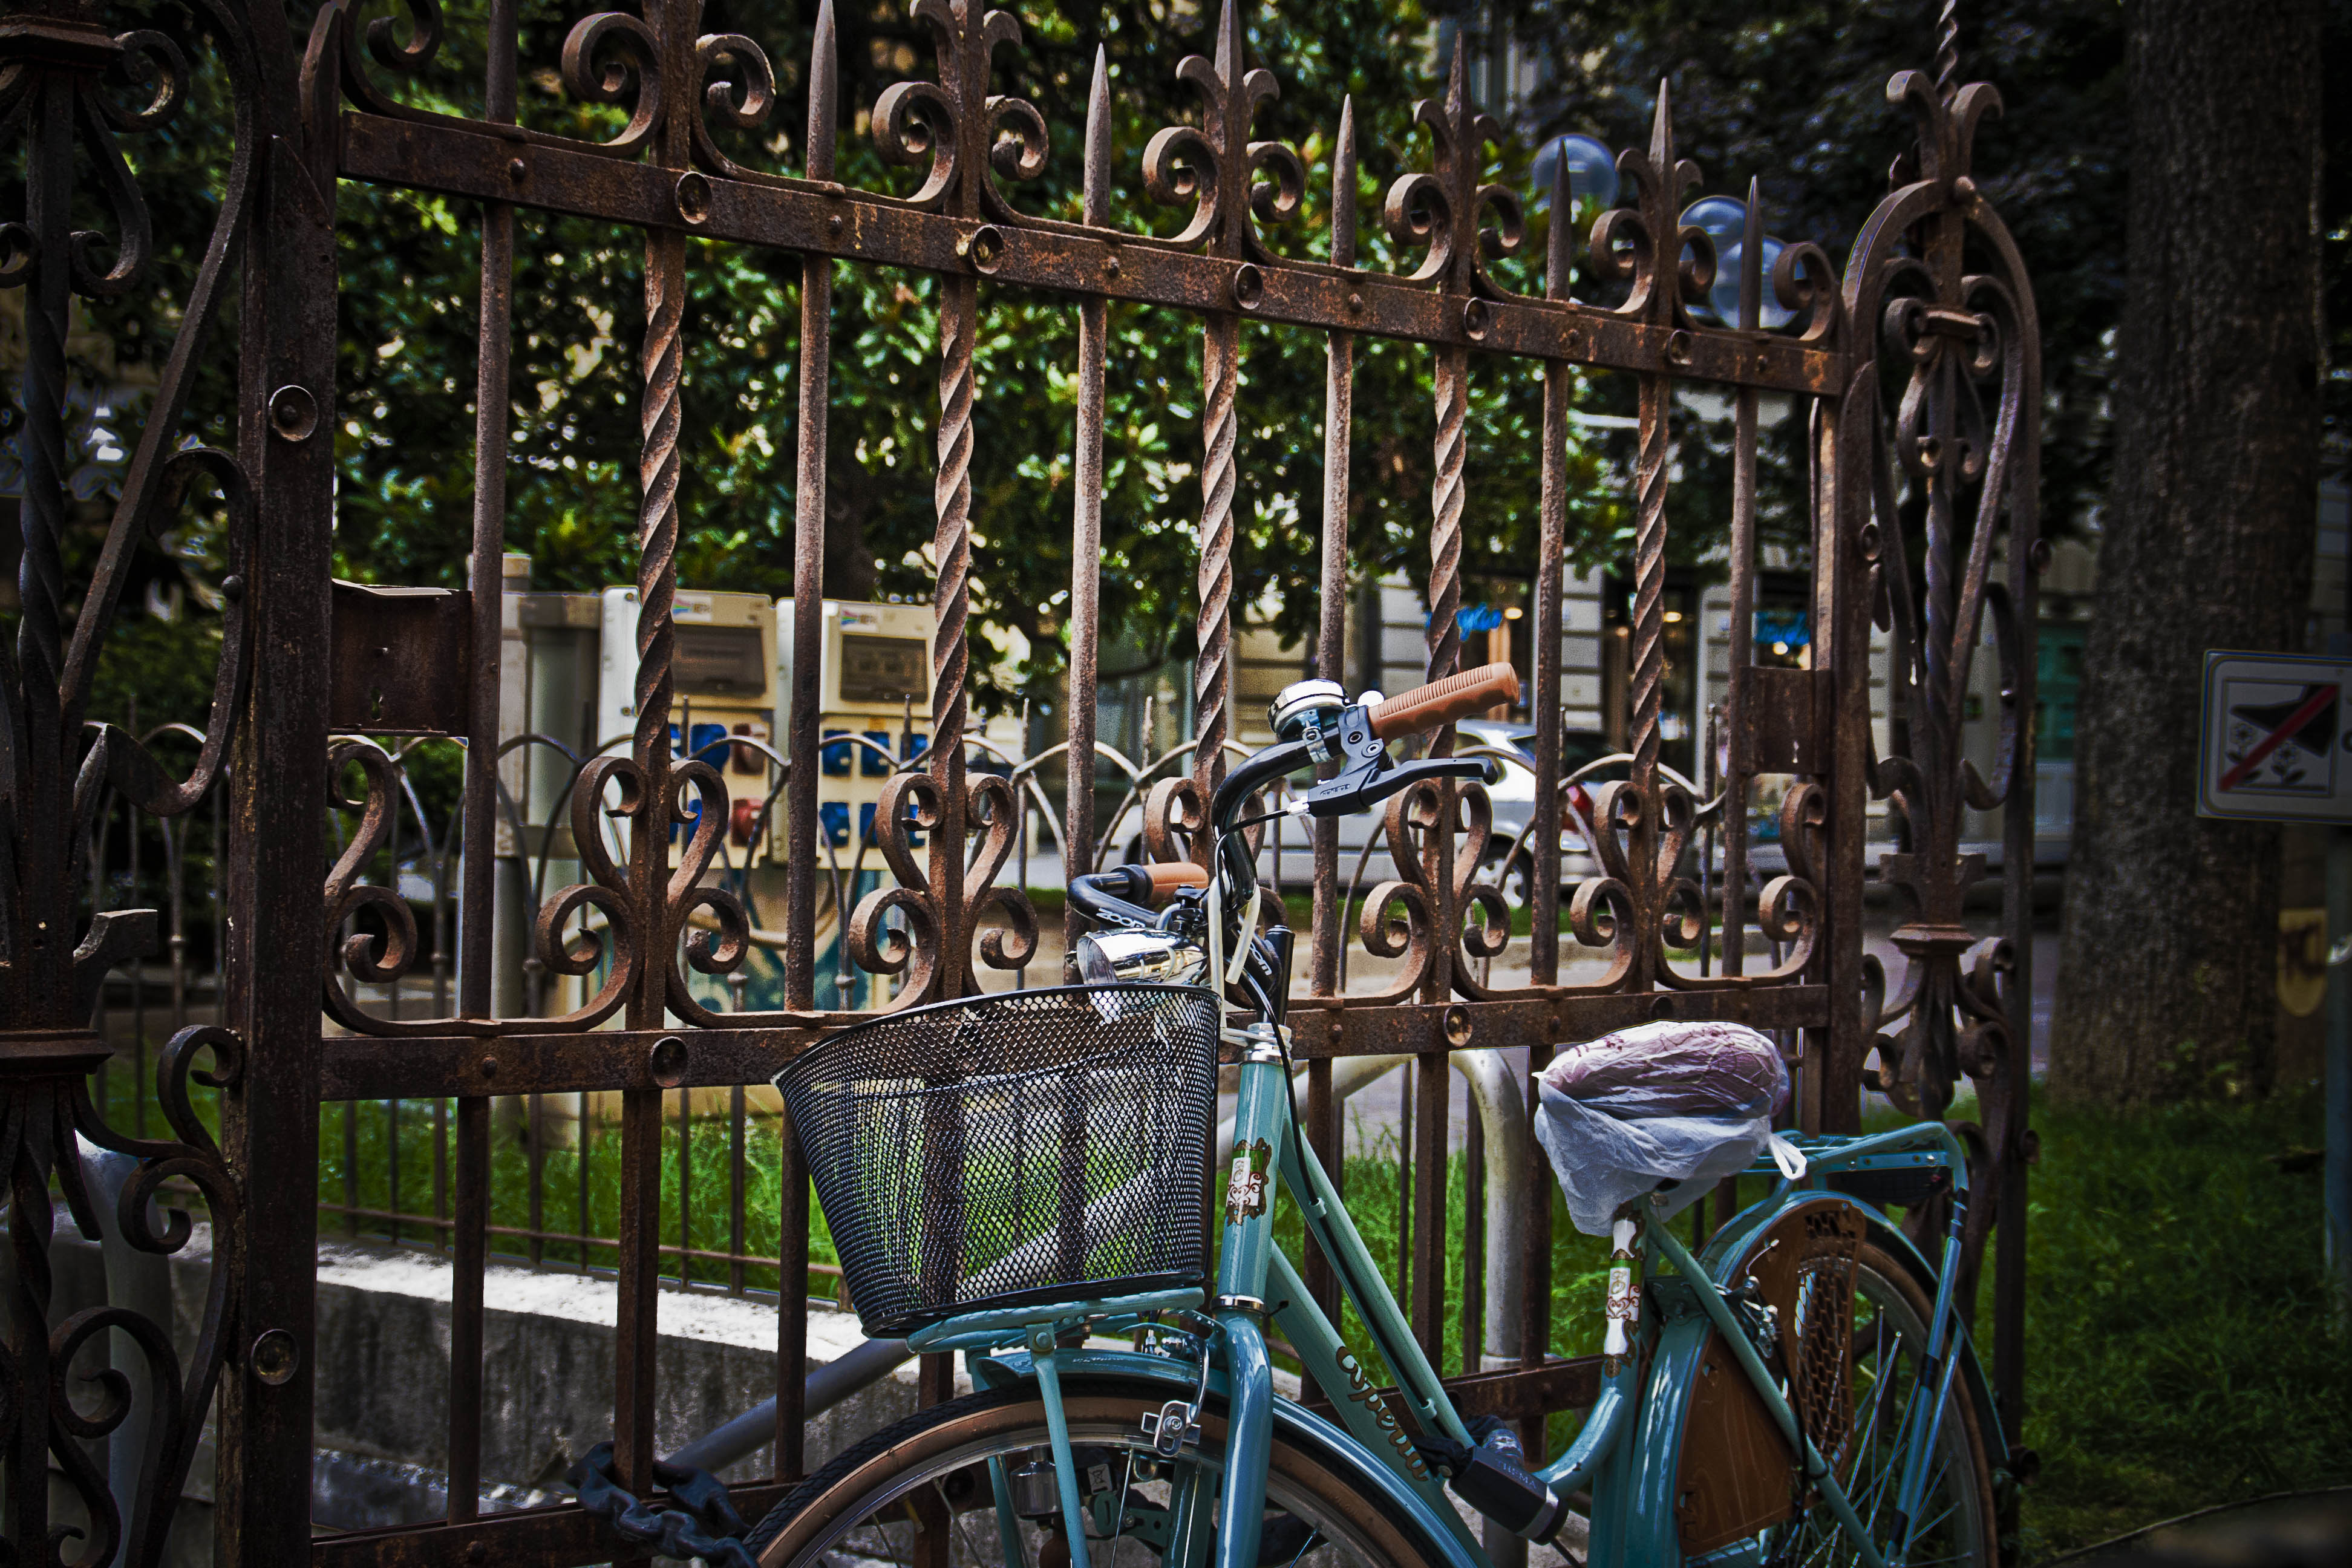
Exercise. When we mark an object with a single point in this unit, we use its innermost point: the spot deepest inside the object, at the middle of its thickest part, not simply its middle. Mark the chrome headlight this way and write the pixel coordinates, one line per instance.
(1107, 957)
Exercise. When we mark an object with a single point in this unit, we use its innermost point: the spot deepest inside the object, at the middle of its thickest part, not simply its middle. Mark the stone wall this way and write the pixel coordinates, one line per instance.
(382, 1347)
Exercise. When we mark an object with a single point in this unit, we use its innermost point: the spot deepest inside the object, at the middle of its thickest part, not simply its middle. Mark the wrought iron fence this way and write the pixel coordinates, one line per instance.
(1915, 367)
(384, 1172)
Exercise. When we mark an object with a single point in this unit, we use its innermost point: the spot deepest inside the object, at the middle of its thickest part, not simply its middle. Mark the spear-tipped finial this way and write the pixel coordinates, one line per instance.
(1096, 211)
(1343, 186)
(1751, 259)
(824, 118)
(1662, 141)
(1457, 76)
(1229, 45)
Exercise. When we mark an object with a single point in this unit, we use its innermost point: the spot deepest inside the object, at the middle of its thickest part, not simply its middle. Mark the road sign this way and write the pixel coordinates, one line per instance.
(2276, 740)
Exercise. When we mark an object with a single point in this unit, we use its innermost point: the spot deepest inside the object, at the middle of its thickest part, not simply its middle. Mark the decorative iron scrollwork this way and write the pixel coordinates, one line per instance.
(613, 57)
(1440, 211)
(1230, 180)
(930, 944)
(388, 953)
(955, 124)
(62, 80)
(1959, 338)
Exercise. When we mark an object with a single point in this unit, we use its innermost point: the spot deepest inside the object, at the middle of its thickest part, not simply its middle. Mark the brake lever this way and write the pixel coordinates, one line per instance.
(1374, 779)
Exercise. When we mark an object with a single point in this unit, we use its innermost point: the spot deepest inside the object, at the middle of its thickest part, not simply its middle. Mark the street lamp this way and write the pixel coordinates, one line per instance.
(1724, 221)
(1591, 169)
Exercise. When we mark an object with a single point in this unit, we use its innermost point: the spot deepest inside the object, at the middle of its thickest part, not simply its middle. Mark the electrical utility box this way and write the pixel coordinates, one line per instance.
(874, 686)
(724, 673)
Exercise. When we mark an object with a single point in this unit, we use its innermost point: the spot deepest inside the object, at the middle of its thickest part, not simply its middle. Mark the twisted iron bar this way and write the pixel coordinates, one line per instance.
(1650, 578)
(951, 495)
(657, 472)
(1212, 670)
(1947, 50)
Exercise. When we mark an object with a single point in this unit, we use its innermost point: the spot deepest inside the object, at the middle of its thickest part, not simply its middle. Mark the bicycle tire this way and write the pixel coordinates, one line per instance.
(870, 1488)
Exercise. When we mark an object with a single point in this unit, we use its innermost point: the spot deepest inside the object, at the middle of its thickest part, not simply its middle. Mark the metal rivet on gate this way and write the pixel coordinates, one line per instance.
(1965, 188)
(233, 587)
(293, 413)
(1110, 265)
(985, 249)
(834, 224)
(2038, 557)
(1457, 1026)
(1678, 347)
(477, 1552)
(666, 1063)
(1473, 319)
(1355, 304)
(274, 1357)
(489, 1066)
(693, 196)
(517, 170)
(1249, 286)
(1664, 1008)
(1865, 539)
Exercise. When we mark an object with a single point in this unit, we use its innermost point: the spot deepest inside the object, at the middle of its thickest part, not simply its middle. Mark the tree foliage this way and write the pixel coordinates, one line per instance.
(407, 374)
(1793, 93)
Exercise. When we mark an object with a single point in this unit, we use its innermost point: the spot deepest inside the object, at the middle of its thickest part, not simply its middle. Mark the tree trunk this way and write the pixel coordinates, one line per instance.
(2167, 968)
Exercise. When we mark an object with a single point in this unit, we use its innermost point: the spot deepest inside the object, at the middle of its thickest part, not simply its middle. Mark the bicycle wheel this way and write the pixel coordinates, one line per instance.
(1858, 1365)
(919, 1493)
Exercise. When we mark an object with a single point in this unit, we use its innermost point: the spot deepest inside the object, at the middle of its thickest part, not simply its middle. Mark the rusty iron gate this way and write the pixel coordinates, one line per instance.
(1916, 372)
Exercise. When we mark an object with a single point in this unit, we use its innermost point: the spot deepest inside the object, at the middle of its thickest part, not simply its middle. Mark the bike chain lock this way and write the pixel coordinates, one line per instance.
(704, 1526)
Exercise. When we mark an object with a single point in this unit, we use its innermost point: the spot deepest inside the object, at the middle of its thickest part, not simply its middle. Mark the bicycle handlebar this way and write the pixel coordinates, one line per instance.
(1443, 701)
(1120, 894)
(1165, 877)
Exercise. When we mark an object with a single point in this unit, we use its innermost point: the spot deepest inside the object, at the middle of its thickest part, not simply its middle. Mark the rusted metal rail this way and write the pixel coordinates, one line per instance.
(1916, 372)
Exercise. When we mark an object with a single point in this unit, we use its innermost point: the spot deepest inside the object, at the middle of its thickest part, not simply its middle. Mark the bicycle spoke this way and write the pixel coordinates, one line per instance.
(1880, 1491)
(1890, 1394)
(940, 1490)
(1932, 1561)
(1950, 1509)
(890, 1553)
(1126, 1491)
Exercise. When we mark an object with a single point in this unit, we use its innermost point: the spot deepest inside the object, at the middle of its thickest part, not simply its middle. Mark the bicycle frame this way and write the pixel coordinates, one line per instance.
(1625, 1452)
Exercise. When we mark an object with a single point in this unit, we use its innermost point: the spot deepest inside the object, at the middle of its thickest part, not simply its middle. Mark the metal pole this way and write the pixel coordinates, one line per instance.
(2340, 1075)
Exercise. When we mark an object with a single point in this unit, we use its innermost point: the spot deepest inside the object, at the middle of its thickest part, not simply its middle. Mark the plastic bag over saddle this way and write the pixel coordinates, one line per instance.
(1687, 1104)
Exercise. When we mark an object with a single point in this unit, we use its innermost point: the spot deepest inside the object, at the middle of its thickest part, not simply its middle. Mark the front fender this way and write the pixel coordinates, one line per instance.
(1293, 1422)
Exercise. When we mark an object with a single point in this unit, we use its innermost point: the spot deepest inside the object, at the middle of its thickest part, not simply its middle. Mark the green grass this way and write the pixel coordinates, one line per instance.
(705, 1180)
(2180, 1346)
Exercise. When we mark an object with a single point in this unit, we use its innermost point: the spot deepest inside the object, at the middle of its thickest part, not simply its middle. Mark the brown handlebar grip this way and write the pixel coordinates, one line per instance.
(1167, 876)
(1443, 701)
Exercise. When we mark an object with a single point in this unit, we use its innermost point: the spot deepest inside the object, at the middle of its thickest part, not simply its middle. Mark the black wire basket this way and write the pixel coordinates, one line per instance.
(1024, 1148)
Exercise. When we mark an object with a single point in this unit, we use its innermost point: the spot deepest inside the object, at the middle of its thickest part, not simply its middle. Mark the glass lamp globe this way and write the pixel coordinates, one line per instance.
(1591, 169)
(1724, 296)
(1720, 218)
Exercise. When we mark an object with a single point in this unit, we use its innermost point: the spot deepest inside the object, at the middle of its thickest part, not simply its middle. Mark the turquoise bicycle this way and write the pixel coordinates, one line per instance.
(1020, 1178)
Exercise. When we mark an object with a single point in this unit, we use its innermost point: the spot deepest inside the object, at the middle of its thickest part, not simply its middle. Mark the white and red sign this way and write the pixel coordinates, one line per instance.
(2276, 741)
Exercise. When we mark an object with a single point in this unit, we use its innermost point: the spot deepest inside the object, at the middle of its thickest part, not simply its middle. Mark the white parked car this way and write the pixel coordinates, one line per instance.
(1286, 856)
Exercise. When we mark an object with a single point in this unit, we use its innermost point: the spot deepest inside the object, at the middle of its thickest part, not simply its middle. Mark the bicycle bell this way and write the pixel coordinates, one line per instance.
(1303, 705)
